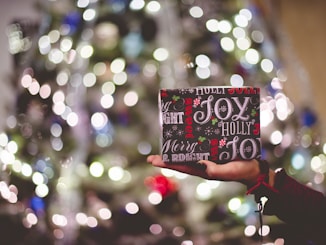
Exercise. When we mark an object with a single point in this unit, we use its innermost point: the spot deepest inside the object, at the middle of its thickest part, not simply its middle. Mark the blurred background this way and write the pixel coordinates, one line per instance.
(79, 84)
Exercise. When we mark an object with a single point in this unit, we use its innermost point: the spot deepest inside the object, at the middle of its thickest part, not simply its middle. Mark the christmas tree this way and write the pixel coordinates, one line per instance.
(87, 76)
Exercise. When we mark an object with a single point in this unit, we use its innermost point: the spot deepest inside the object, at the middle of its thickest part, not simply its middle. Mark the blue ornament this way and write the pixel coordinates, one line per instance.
(133, 68)
(308, 117)
(73, 20)
(37, 204)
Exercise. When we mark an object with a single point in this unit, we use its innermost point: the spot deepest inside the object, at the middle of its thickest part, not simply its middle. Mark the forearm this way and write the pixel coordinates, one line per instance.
(294, 201)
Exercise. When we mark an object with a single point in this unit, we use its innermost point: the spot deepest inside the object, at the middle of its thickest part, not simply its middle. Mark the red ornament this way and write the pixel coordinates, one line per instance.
(161, 184)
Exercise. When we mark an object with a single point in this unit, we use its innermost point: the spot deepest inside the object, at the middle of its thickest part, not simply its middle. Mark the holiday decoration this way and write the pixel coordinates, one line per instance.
(85, 80)
(219, 124)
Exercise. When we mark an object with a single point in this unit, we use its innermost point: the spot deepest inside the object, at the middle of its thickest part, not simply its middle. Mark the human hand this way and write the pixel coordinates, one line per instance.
(245, 172)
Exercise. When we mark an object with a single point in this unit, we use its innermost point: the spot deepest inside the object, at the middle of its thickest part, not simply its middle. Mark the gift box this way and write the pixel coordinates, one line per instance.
(219, 124)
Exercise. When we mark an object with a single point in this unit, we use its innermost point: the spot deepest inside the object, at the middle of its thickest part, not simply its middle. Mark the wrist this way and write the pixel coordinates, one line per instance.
(264, 183)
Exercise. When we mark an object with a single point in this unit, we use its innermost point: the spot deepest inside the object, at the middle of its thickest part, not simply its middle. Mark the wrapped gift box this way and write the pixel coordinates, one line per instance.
(220, 124)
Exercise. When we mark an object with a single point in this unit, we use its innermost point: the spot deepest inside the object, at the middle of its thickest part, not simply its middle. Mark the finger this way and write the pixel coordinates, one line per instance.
(157, 161)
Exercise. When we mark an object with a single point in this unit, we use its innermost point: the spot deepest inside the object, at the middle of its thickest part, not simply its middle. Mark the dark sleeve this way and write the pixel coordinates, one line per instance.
(296, 203)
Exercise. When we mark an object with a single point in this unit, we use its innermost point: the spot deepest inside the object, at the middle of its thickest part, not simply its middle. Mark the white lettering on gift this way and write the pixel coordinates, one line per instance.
(202, 117)
(172, 117)
(175, 146)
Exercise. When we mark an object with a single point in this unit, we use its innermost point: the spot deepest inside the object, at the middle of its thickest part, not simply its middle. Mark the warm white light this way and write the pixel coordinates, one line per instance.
(6, 157)
(257, 36)
(203, 73)
(252, 56)
(99, 120)
(120, 78)
(105, 213)
(99, 68)
(118, 65)
(155, 229)
(96, 169)
(12, 147)
(108, 88)
(56, 55)
(212, 25)
(276, 137)
(31, 218)
(107, 101)
(247, 13)
(264, 230)
(115, 173)
(236, 80)
(239, 32)
(34, 87)
(3, 139)
(81, 218)
(92, 222)
(203, 191)
(54, 36)
(250, 230)
(66, 44)
(44, 45)
(137, 4)
(225, 26)
(89, 14)
(26, 170)
(161, 54)
(89, 79)
(62, 78)
(196, 12)
(202, 61)
(59, 220)
(132, 208)
(45, 91)
(155, 198)
(86, 51)
(243, 43)
(153, 7)
(267, 65)
(131, 98)
(26, 80)
(234, 204)
(227, 44)
(72, 119)
(56, 129)
(241, 20)
(42, 190)
(38, 178)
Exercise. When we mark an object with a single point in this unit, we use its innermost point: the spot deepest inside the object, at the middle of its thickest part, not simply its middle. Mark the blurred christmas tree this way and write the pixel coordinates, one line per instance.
(73, 157)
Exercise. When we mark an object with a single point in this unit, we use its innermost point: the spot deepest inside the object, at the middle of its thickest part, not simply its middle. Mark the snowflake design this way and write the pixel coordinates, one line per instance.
(198, 128)
(209, 130)
(191, 90)
(180, 132)
(174, 127)
(223, 108)
(217, 131)
(197, 102)
(222, 142)
(248, 149)
(168, 134)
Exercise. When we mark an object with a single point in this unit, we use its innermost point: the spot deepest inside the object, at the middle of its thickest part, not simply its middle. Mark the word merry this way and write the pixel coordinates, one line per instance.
(175, 146)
